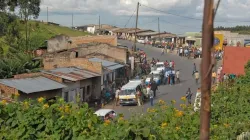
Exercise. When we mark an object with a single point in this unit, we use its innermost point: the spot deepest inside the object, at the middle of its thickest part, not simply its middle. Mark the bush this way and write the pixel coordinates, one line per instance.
(60, 120)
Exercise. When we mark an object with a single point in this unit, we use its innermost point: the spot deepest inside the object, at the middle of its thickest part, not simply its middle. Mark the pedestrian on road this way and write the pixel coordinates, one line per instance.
(173, 74)
(138, 97)
(214, 77)
(118, 91)
(197, 76)
(166, 63)
(162, 51)
(154, 87)
(181, 52)
(173, 64)
(170, 64)
(194, 68)
(177, 75)
(171, 77)
(166, 78)
(189, 96)
(151, 96)
(148, 91)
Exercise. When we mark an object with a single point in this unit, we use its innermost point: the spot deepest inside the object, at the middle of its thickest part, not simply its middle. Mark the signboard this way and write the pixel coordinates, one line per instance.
(246, 42)
(218, 41)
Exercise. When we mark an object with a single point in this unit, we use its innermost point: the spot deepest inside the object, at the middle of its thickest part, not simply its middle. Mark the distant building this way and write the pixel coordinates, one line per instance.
(234, 39)
(93, 28)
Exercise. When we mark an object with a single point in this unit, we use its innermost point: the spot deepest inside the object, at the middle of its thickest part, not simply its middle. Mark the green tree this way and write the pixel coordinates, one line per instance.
(29, 8)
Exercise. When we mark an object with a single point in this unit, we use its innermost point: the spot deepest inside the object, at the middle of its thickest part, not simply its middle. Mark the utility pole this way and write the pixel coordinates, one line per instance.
(72, 21)
(207, 44)
(136, 24)
(159, 28)
(47, 15)
(99, 24)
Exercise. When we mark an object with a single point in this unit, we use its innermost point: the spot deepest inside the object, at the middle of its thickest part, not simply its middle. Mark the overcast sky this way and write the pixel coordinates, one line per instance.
(176, 16)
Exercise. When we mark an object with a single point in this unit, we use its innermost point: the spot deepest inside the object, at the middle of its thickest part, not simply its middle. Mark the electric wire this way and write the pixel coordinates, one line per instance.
(129, 19)
(178, 24)
(177, 15)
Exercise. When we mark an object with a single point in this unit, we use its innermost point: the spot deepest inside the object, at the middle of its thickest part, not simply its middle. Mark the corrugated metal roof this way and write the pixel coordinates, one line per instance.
(107, 64)
(31, 85)
(72, 73)
(147, 33)
(140, 31)
(115, 67)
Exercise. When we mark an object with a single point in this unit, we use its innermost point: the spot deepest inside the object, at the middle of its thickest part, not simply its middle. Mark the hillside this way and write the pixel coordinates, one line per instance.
(236, 29)
(54, 29)
(39, 32)
(16, 51)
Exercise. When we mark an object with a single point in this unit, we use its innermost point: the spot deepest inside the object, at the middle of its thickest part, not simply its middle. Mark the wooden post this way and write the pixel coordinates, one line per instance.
(136, 24)
(207, 44)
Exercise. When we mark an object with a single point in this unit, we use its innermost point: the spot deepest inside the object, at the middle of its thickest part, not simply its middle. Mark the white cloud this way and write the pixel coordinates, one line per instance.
(118, 12)
(113, 6)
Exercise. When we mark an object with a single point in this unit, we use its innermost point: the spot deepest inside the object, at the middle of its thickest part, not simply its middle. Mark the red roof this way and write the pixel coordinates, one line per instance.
(234, 60)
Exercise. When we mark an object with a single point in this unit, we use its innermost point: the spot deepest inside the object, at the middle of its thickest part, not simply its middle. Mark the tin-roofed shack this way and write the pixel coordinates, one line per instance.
(234, 60)
(78, 81)
(32, 88)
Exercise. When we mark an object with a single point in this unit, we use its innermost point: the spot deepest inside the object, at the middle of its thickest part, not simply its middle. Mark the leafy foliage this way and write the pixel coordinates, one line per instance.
(60, 120)
(239, 29)
(19, 63)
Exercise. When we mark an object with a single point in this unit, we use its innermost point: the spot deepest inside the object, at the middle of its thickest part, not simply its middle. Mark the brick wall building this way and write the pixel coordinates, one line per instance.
(59, 62)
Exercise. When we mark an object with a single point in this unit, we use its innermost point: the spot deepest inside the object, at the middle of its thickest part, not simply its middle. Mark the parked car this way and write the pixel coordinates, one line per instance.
(106, 114)
(156, 75)
(160, 66)
(141, 41)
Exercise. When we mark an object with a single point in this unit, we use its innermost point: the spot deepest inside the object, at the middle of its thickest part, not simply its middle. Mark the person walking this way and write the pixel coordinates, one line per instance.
(162, 51)
(154, 87)
(197, 76)
(166, 75)
(173, 64)
(151, 96)
(171, 77)
(177, 75)
(170, 64)
(118, 91)
(138, 97)
(148, 91)
(173, 74)
(194, 68)
(189, 96)
(214, 77)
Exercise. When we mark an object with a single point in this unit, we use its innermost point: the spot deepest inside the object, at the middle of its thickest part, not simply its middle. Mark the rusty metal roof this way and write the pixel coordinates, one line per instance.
(234, 60)
(72, 73)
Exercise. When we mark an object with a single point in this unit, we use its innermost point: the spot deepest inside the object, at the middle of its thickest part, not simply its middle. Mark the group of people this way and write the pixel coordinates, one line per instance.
(151, 91)
(187, 51)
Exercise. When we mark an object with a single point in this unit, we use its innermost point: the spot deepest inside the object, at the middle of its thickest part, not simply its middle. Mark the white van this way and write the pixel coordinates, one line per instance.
(128, 92)
(160, 66)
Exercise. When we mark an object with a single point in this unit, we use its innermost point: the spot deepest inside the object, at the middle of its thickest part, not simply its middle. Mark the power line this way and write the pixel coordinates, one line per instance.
(130, 19)
(187, 16)
(152, 21)
(178, 24)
